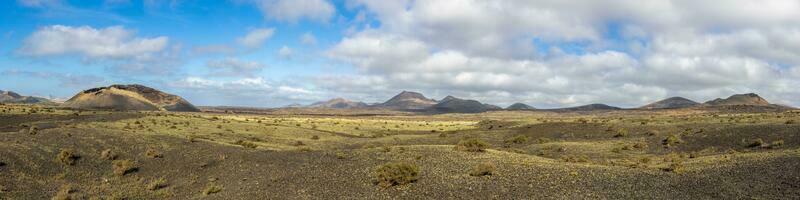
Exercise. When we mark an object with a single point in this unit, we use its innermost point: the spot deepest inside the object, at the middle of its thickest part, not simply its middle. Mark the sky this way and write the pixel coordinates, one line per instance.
(272, 53)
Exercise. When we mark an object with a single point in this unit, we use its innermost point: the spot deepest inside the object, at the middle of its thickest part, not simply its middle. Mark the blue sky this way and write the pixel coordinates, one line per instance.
(270, 53)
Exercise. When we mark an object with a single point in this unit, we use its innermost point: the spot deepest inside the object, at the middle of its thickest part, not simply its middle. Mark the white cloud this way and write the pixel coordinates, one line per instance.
(308, 38)
(115, 47)
(295, 10)
(285, 52)
(235, 67)
(112, 42)
(557, 53)
(256, 37)
(254, 91)
(37, 3)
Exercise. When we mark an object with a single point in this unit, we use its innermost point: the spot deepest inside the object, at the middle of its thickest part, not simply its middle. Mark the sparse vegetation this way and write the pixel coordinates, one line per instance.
(67, 157)
(153, 153)
(756, 143)
(672, 140)
(211, 188)
(396, 173)
(123, 167)
(108, 154)
(482, 169)
(157, 183)
(472, 145)
(519, 139)
(246, 144)
(66, 192)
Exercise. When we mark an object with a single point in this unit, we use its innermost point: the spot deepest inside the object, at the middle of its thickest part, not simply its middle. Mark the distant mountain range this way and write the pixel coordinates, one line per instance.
(414, 101)
(13, 97)
(139, 97)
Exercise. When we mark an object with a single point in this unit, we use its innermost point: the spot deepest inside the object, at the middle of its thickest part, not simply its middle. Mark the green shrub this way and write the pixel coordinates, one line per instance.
(472, 145)
(122, 167)
(396, 173)
(482, 169)
(67, 157)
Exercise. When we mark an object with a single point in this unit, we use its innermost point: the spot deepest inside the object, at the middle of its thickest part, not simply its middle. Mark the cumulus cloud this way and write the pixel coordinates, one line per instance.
(114, 46)
(295, 10)
(308, 38)
(556, 53)
(256, 37)
(234, 67)
(112, 42)
(285, 52)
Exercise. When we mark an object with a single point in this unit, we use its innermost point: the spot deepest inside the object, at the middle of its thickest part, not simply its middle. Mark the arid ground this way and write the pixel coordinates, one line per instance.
(49, 152)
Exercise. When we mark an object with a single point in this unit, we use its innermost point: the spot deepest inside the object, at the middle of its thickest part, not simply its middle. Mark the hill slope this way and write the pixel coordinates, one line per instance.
(338, 103)
(750, 99)
(520, 106)
(408, 101)
(129, 97)
(672, 102)
(13, 97)
(451, 104)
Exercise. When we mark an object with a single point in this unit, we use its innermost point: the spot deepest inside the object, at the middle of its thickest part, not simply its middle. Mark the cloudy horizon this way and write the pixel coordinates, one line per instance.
(272, 53)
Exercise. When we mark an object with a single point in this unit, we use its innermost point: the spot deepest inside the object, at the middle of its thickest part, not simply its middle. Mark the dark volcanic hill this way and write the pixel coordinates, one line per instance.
(520, 106)
(338, 103)
(451, 104)
(129, 97)
(672, 102)
(749, 99)
(590, 107)
(408, 101)
(13, 97)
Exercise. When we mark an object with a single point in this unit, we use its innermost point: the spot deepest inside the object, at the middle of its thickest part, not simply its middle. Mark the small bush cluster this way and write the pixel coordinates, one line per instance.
(152, 153)
(122, 167)
(472, 145)
(67, 157)
(156, 184)
(520, 139)
(482, 169)
(108, 155)
(672, 140)
(212, 188)
(396, 173)
(66, 192)
(756, 143)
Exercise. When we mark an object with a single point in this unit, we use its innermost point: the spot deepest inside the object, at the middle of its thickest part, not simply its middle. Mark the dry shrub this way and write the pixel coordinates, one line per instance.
(211, 188)
(122, 167)
(396, 173)
(472, 145)
(153, 153)
(156, 184)
(108, 155)
(519, 139)
(67, 157)
(482, 169)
